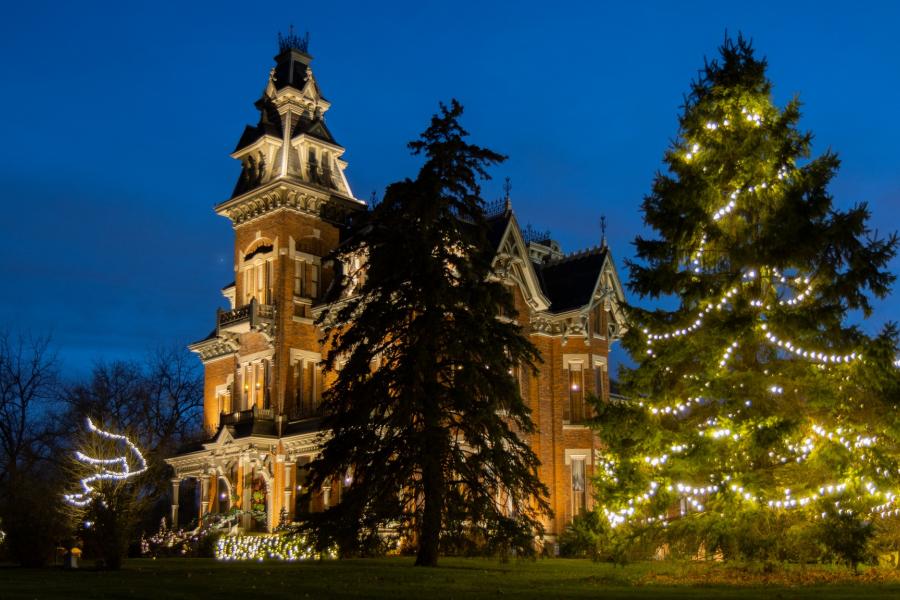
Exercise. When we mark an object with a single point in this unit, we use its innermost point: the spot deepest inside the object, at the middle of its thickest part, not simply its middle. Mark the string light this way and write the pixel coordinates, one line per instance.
(787, 293)
(121, 472)
(273, 547)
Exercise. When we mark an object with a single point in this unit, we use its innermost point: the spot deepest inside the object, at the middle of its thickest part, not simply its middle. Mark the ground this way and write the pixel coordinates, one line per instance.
(455, 578)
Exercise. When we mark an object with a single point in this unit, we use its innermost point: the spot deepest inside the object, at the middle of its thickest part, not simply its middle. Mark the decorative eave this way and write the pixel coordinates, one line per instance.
(511, 262)
(264, 140)
(304, 443)
(571, 323)
(289, 193)
(338, 150)
(224, 447)
(309, 94)
(214, 348)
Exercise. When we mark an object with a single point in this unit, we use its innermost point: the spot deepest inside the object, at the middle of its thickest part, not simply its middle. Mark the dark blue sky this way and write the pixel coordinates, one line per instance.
(118, 118)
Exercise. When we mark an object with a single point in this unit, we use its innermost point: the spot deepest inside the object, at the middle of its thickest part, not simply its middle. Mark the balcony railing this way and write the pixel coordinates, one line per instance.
(245, 318)
(261, 414)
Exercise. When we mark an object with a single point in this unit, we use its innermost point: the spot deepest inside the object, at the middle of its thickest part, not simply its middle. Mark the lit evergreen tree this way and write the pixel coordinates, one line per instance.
(427, 426)
(754, 400)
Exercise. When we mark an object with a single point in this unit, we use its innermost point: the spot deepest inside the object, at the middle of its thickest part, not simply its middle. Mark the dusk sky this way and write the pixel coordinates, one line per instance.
(118, 119)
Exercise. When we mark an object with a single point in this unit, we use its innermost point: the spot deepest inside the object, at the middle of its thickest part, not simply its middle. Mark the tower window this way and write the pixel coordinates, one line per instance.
(259, 282)
(306, 279)
(576, 393)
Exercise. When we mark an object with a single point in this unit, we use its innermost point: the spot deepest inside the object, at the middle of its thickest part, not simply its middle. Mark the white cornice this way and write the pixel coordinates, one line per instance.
(265, 139)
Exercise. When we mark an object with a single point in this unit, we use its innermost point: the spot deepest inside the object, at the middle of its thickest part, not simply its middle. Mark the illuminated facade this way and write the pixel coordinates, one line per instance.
(291, 206)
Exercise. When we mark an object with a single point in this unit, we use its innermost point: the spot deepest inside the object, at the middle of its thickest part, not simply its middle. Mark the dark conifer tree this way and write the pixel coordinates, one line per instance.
(753, 399)
(427, 426)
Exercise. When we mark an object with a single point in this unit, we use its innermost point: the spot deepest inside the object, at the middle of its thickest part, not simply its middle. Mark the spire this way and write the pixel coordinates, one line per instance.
(507, 188)
(603, 231)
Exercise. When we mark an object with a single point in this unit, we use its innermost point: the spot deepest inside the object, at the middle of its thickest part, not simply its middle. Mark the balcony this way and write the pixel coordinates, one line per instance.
(242, 416)
(253, 316)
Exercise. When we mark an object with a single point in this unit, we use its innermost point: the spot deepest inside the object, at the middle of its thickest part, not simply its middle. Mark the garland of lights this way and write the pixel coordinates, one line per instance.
(109, 469)
(274, 546)
(693, 494)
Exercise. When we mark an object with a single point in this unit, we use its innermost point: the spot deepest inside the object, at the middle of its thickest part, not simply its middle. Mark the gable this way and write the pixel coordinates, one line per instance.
(511, 261)
(609, 291)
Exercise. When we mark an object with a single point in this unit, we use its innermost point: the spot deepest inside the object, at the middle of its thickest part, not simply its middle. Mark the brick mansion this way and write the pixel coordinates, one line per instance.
(291, 208)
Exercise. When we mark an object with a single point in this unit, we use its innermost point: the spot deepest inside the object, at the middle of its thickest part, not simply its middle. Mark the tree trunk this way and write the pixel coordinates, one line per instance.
(430, 530)
(432, 489)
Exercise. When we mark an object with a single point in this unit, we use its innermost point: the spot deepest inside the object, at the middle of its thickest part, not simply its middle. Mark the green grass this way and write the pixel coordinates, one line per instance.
(395, 578)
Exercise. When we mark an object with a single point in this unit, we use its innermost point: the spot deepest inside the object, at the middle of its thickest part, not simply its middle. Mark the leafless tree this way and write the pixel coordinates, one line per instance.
(28, 384)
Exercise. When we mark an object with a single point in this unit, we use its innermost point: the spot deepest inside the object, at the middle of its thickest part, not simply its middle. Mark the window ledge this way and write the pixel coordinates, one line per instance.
(575, 426)
(305, 320)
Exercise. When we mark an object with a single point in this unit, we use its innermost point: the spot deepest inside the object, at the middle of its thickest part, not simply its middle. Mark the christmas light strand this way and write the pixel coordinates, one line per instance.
(104, 473)
(801, 289)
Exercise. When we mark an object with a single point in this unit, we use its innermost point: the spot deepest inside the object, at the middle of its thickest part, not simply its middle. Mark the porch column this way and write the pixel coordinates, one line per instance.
(288, 489)
(246, 484)
(176, 482)
(204, 496)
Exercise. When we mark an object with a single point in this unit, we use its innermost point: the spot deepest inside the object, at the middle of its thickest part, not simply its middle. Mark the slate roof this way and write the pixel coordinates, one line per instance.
(569, 281)
(314, 128)
(497, 225)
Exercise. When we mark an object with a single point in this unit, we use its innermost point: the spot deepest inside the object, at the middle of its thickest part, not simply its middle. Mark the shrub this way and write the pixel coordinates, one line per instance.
(847, 537)
(586, 536)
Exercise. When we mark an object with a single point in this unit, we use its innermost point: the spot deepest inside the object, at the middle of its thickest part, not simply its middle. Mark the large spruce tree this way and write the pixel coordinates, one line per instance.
(755, 406)
(427, 428)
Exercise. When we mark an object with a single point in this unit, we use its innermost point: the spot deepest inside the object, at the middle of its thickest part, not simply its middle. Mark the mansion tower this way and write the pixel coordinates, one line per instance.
(291, 207)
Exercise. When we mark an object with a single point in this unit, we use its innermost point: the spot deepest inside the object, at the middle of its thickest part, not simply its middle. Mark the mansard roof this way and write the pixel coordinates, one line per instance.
(313, 127)
(271, 125)
(569, 282)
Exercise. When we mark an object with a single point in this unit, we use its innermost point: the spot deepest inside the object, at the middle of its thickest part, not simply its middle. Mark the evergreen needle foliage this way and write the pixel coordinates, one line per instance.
(754, 398)
(426, 424)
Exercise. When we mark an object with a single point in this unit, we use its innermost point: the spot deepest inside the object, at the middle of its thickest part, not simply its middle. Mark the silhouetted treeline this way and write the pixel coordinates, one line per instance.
(156, 402)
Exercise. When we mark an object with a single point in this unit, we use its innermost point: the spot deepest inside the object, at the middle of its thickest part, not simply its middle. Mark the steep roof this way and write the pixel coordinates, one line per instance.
(313, 127)
(569, 282)
(497, 225)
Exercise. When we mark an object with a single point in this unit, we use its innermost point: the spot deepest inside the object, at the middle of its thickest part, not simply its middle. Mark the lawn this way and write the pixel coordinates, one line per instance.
(455, 578)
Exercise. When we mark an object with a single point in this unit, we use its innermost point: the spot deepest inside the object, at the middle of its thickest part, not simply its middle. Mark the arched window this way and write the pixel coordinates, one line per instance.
(257, 272)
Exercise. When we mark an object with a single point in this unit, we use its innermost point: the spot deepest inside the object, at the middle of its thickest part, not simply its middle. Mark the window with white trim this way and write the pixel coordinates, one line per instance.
(307, 383)
(258, 278)
(576, 392)
(256, 382)
(306, 278)
(579, 487)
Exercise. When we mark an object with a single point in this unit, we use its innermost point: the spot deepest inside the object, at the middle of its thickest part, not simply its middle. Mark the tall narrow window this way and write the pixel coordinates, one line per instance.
(298, 387)
(267, 381)
(598, 319)
(302, 495)
(599, 381)
(255, 381)
(579, 495)
(313, 281)
(312, 384)
(299, 284)
(576, 393)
